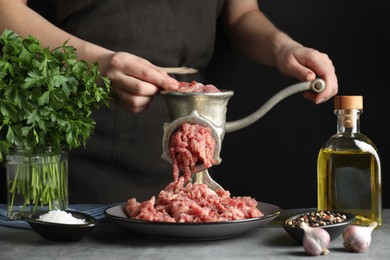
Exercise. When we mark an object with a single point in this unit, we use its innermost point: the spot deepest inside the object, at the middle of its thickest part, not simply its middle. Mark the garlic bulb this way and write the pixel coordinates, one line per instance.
(358, 238)
(316, 240)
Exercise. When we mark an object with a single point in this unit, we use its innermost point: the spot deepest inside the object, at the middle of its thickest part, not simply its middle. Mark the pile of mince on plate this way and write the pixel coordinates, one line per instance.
(182, 201)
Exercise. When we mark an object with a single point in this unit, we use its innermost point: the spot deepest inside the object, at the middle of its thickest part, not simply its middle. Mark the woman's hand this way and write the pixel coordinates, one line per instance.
(135, 81)
(306, 64)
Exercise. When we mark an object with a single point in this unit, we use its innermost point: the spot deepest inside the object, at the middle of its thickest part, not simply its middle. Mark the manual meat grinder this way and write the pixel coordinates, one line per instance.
(208, 109)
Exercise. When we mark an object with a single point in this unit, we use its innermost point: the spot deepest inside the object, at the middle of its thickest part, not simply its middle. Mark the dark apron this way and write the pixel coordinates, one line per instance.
(123, 158)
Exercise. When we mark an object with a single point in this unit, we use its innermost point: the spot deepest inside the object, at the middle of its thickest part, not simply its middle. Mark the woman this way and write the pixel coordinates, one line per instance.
(137, 43)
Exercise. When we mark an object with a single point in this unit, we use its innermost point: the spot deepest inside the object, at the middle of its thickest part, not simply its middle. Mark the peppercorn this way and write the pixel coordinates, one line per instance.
(317, 218)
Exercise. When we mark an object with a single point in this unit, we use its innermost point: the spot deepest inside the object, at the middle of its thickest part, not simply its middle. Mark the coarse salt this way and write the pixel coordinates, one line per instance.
(59, 216)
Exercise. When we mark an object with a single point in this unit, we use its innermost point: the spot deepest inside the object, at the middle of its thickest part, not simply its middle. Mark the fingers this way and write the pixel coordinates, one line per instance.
(134, 107)
(306, 65)
(150, 74)
(134, 101)
(330, 90)
(135, 81)
(321, 65)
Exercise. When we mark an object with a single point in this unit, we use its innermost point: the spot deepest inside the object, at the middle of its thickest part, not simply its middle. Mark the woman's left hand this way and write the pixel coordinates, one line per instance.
(306, 64)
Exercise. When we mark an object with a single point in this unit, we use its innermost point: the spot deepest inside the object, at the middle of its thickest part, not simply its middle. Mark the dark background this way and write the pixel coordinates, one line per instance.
(274, 159)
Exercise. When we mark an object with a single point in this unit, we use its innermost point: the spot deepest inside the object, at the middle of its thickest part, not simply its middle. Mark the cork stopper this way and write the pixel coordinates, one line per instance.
(348, 102)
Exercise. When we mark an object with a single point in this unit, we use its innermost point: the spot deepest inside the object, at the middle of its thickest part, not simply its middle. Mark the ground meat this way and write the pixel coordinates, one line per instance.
(191, 203)
(190, 145)
(196, 87)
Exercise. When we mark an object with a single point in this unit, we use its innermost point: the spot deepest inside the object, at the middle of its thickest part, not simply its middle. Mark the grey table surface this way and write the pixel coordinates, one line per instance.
(111, 241)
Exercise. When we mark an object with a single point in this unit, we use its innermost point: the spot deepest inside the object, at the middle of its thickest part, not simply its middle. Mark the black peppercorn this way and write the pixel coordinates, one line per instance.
(317, 219)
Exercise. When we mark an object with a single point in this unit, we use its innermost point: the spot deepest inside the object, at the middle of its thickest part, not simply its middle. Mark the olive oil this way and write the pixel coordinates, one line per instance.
(348, 181)
(349, 169)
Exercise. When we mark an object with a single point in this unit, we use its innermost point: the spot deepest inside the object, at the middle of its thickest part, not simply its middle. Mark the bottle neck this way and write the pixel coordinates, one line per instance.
(348, 120)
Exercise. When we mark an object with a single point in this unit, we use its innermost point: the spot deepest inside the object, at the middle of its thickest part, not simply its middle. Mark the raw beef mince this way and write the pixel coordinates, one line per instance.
(182, 201)
(196, 87)
(191, 144)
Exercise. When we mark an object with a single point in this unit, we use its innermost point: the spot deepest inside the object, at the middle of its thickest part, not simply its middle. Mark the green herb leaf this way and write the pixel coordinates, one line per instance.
(47, 97)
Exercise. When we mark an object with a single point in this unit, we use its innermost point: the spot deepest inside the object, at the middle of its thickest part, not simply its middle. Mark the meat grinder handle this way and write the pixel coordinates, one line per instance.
(317, 85)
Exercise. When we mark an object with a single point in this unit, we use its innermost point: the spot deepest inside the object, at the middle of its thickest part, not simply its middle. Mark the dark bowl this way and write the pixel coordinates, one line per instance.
(60, 232)
(334, 230)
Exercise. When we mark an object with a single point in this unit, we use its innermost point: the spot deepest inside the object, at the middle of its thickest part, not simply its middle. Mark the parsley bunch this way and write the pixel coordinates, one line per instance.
(46, 96)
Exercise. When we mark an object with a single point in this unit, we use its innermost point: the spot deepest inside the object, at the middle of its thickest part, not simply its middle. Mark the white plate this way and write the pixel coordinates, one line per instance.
(193, 231)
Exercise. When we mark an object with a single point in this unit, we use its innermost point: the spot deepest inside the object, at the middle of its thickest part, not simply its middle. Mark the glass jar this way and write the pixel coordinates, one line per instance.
(349, 167)
(36, 181)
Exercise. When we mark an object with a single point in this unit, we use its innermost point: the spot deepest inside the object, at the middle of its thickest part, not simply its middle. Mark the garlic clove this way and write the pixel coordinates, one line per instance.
(316, 240)
(358, 238)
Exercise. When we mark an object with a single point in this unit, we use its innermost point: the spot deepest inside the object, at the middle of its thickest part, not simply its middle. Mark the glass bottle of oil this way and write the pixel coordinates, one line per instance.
(348, 167)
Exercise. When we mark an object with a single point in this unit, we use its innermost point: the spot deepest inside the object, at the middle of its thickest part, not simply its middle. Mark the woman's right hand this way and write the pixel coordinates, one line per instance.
(134, 80)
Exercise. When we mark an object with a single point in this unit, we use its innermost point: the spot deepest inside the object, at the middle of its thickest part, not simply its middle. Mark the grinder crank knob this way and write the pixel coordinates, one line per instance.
(317, 85)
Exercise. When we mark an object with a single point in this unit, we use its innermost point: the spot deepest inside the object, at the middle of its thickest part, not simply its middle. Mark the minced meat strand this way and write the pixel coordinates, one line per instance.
(190, 145)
